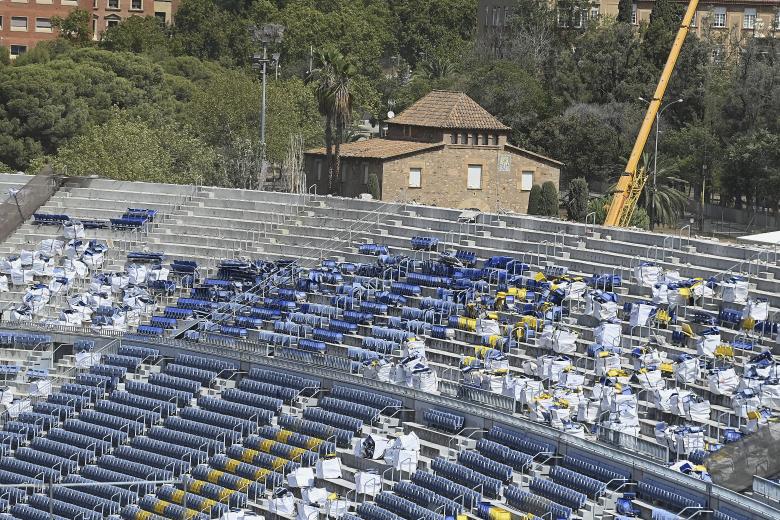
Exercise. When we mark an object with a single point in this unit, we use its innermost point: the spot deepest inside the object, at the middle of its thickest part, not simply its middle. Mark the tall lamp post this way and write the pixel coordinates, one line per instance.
(265, 35)
(655, 157)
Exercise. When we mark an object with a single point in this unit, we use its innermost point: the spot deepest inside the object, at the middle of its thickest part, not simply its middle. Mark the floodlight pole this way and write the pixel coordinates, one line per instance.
(271, 33)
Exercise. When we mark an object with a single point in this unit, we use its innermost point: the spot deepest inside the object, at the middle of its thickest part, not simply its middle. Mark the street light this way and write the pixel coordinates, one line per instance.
(267, 34)
(655, 156)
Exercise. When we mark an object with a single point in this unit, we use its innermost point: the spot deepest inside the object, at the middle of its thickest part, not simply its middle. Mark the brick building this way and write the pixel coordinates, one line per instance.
(23, 23)
(445, 150)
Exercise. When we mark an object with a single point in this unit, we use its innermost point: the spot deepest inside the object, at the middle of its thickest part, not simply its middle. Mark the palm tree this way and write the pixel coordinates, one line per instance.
(324, 78)
(341, 97)
(670, 203)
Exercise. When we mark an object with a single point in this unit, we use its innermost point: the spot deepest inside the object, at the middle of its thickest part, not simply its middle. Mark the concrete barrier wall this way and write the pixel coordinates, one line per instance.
(26, 201)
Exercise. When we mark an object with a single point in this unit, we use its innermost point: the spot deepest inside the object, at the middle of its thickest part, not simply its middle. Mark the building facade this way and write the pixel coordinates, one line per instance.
(758, 18)
(23, 23)
(445, 150)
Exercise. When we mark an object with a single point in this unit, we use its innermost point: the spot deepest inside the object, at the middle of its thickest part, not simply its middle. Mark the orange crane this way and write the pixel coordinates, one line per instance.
(632, 181)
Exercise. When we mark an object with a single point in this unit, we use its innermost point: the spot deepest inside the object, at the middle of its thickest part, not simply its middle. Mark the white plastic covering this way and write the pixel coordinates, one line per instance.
(3, 283)
(608, 334)
(687, 370)
(136, 274)
(648, 274)
(707, 343)
(735, 292)
(368, 483)
(756, 309)
(723, 382)
(301, 478)
(641, 314)
(73, 229)
(328, 468)
(21, 276)
(650, 379)
(488, 327)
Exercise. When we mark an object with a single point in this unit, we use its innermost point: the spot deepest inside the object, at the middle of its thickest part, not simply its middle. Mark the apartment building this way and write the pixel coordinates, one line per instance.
(759, 18)
(24, 23)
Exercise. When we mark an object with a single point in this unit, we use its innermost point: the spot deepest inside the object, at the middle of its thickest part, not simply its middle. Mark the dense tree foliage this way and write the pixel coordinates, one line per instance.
(570, 93)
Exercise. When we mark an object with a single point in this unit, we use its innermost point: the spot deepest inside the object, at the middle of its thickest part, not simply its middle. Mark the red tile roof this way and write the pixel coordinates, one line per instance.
(448, 109)
(379, 148)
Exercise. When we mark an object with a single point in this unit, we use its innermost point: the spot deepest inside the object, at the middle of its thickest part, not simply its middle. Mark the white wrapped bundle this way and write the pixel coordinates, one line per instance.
(608, 334)
(642, 314)
(51, 247)
(26, 257)
(588, 411)
(662, 399)
(119, 282)
(21, 276)
(3, 283)
(650, 379)
(770, 395)
(708, 342)
(661, 294)
(745, 402)
(7, 266)
(723, 382)
(605, 362)
(687, 370)
(43, 266)
(735, 291)
(75, 249)
(158, 273)
(647, 274)
(73, 229)
(756, 309)
(488, 327)
(136, 274)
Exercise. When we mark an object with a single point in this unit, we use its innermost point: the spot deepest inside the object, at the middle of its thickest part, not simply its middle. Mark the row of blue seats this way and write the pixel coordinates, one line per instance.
(127, 412)
(150, 330)
(151, 504)
(558, 493)
(198, 441)
(516, 459)
(468, 477)
(151, 459)
(164, 408)
(206, 431)
(192, 501)
(115, 494)
(24, 340)
(168, 449)
(143, 353)
(282, 393)
(405, 508)
(336, 420)
(535, 504)
(367, 511)
(283, 379)
(227, 422)
(229, 481)
(239, 410)
(478, 462)
(299, 440)
(176, 383)
(380, 346)
(281, 449)
(424, 243)
(446, 421)
(61, 449)
(372, 399)
(222, 368)
(319, 430)
(77, 497)
(519, 441)
(99, 431)
(349, 408)
(447, 488)
(577, 481)
(204, 377)
(160, 393)
(597, 469)
(670, 495)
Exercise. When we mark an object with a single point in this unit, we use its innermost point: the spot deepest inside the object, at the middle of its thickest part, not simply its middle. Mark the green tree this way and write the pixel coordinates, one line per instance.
(127, 148)
(137, 34)
(600, 207)
(342, 99)
(5, 56)
(373, 186)
(751, 170)
(625, 10)
(74, 27)
(535, 201)
(323, 78)
(549, 203)
(663, 26)
(577, 199)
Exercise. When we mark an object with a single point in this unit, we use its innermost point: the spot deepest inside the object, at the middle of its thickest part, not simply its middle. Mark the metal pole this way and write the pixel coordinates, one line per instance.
(262, 110)
(655, 171)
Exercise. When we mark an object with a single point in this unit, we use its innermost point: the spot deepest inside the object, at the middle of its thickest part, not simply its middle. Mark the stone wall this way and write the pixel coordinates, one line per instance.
(444, 178)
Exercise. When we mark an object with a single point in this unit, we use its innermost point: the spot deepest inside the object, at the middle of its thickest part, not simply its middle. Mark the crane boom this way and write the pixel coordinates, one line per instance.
(632, 181)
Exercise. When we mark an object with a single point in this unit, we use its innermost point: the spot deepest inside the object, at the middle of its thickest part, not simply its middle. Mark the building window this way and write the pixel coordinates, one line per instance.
(474, 181)
(719, 17)
(18, 50)
(453, 138)
(415, 177)
(1, 23)
(487, 16)
(18, 23)
(749, 19)
(365, 174)
(318, 168)
(495, 16)
(94, 28)
(717, 54)
(464, 139)
(495, 140)
(70, 2)
(634, 19)
(113, 4)
(594, 12)
(777, 19)
(160, 15)
(43, 24)
(507, 15)
(485, 139)
(112, 22)
(526, 180)
(94, 4)
(136, 5)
